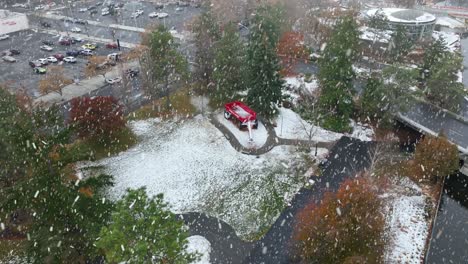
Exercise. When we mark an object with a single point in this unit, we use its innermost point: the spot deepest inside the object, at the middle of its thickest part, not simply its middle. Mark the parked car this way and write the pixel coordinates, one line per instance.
(46, 48)
(81, 21)
(86, 52)
(153, 14)
(40, 70)
(19, 5)
(76, 39)
(105, 12)
(92, 12)
(15, 52)
(132, 72)
(113, 80)
(82, 10)
(111, 45)
(75, 29)
(162, 15)
(52, 59)
(69, 59)
(46, 24)
(89, 46)
(120, 5)
(4, 36)
(10, 52)
(113, 56)
(135, 15)
(34, 64)
(8, 59)
(59, 56)
(178, 9)
(48, 42)
(159, 6)
(73, 53)
(92, 7)
(65, 42)
(43, 62)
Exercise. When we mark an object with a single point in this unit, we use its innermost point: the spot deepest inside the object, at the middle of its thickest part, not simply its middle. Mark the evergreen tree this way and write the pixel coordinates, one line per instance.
(263, 64)
(229, 65)
(336, 76)
(442, 87)
(432, 55)
(143, 230)
(166, 63)
(207, 33)
(400, 44)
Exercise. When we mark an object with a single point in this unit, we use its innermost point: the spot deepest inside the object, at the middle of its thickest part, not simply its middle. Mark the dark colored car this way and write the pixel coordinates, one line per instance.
(14, 52)
(111, 45)
(132, 72)
(34, 64)
(92, 12)
(81, 21)
(91, 7)
(46, 24)
(73, 53)
(65, 42)
(47, 42)
(58, 56)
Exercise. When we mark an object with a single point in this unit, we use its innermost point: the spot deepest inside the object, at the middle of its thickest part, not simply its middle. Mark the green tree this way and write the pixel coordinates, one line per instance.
(229, 74)
(143, 230)
(442, 86)
(382, 98)
(167, 65)
(207, 33)
(263, 63)
(400, 44)
(336, 76)
(432, 55)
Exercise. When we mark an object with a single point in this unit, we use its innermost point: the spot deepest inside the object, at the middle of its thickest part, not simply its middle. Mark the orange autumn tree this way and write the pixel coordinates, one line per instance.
(290, 50)
(346, 225)
(434, 158)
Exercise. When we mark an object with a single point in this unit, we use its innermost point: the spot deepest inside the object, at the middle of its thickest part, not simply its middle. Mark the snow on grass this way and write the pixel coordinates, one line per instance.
(291, 126)
(259, 135)
(196, 169)
(406, 224)
(200, 245)
(294, 86)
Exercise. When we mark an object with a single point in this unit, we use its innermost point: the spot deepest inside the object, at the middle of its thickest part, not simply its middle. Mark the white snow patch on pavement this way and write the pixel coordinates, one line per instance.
(406, 224)
(200, 245)
(291, 126)
(197, 170)
(259, 135)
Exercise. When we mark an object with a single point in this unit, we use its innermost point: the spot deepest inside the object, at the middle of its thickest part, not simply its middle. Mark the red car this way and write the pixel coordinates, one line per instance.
(243, 115)
(65, 42)
(59, 56)
(112, 45)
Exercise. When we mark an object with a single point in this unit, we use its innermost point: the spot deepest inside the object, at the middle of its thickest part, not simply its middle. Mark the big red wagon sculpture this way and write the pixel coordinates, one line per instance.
(242, 113)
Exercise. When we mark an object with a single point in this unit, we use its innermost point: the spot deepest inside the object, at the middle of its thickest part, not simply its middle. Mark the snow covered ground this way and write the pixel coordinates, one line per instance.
(199, 244)
(296, 85)
(291, 126)
(197, 170)
(406, 224)
(452, 40)
(259, 135)
(361, 131)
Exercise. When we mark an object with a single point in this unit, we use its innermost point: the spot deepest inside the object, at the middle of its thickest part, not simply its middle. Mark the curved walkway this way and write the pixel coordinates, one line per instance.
(272, 141)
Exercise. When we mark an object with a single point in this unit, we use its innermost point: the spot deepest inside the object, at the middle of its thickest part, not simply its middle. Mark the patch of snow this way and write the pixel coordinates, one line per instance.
(406, 224)
(450, 22)
(361, 131)
(197, 170)
(201, 103)
(380, 36)
(452, 40)
(259, 135)
(201, 245)
(295, 86)
(291, 126)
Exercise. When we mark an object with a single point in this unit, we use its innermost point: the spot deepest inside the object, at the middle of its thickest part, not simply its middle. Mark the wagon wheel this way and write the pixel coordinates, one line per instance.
(227, 115)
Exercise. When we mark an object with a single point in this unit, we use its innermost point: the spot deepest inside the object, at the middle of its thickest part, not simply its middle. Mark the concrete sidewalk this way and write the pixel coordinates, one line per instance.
(90, 38)
(84, 87)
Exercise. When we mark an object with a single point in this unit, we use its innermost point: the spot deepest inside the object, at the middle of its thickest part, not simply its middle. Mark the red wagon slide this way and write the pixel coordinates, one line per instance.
(242, 113)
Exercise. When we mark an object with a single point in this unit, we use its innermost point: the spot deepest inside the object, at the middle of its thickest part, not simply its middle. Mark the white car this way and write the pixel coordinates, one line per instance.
(43, 62)
(163, 15)
(8, 59)
(113, 56)
(153, 15)
(20, 5)
(69, 59)
(179, 9)
(46, 48)
(4, 36)
(105, 13)
(86, 52)
(39, 7)
(52, 59)
(140, 11)
(82, 10)
(113, 80)
(75, 29)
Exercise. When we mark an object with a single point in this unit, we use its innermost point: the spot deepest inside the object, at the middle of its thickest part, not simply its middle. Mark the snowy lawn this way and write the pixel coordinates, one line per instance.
(406, 224)
(290, 125)
(200, 245)
(259, 135)
(197, 170)
(294, 86)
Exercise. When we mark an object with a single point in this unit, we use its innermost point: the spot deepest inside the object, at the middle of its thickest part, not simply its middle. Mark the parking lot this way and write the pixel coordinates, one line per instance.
(20, 74)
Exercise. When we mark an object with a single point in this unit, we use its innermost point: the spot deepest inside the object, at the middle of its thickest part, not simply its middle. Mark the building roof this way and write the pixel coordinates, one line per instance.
(400, 15)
